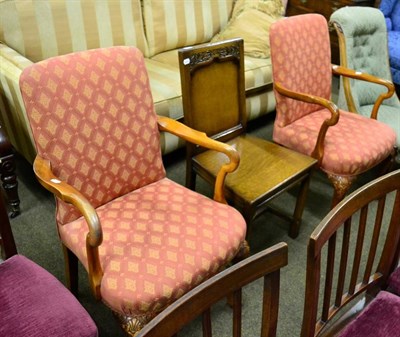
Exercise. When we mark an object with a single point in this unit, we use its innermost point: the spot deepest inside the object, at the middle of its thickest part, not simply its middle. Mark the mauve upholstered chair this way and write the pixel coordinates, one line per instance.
(351, 257)
(32, 301)
(143, 239)
(364, 48)
(345, 144)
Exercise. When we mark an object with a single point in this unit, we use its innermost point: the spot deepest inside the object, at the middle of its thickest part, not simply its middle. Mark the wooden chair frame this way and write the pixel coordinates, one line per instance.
(326, 233)
(219, 67)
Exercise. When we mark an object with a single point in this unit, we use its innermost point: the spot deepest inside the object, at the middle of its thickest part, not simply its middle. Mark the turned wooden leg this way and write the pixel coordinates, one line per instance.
(71, 270)
(341, 185)
(298, 211)
(8, 175)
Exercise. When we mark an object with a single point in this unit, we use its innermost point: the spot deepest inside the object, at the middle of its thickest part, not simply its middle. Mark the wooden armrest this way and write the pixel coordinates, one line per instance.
(71, 195)
(346, 72)
(318, 151)
(200, 138)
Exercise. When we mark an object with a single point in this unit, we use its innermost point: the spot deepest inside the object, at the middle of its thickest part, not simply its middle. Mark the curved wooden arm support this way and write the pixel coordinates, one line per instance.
(318, 152)
(69, 194)
(339, 70)
(200, 138)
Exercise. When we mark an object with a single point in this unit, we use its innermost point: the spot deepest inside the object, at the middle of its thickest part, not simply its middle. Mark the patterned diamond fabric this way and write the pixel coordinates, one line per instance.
(92, 116)
(301, 61)
(351, 147)
(300, 53)
(159, 242)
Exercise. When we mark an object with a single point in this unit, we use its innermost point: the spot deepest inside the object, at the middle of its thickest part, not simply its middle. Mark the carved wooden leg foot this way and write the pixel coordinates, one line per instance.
(341, 185)
(132, 325)
(243, 252)
(392, 161)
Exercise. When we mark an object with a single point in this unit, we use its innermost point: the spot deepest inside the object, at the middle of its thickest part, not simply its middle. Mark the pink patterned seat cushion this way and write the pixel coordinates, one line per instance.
(159, 242)
(352, 146)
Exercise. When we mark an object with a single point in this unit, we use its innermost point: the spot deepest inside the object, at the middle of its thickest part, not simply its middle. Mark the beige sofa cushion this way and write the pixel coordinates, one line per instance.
(251, 20)
(175, 23)
(66, 26)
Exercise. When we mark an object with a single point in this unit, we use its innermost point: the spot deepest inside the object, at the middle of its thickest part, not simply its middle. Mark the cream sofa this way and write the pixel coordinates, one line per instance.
(33, 30)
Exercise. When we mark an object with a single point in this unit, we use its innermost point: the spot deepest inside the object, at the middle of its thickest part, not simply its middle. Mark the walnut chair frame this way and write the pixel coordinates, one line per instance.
(214, 102)
(266, 264)
(370, 216)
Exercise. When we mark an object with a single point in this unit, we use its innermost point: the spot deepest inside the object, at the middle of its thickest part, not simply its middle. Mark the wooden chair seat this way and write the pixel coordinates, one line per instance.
(265, 171)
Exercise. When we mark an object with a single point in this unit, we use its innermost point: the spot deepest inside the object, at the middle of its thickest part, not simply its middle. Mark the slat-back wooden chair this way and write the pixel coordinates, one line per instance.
(370, 216)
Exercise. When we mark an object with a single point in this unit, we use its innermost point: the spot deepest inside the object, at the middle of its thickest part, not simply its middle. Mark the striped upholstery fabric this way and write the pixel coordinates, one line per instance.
(31, 31)
(13, 116)
(166, 86)
(165, 22)
(63, 26)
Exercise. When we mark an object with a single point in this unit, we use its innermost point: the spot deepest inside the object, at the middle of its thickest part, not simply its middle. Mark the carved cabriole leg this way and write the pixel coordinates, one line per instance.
(341, 184)
(390, 163)
(243, 252)
(132, 325)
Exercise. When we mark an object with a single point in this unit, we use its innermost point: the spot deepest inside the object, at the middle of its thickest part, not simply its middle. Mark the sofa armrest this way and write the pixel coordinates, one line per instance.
(12, 110)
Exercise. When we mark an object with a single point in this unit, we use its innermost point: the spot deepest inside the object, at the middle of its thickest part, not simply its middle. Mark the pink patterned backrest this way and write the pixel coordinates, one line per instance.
(301, 61)
(92, 116)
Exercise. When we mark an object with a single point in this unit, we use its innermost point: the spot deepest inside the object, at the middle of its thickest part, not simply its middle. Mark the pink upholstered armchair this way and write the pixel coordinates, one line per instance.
(143, 239)
(345, 144)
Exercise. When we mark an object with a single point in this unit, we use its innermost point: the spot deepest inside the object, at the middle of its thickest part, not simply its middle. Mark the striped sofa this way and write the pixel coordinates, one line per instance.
(32, 30)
